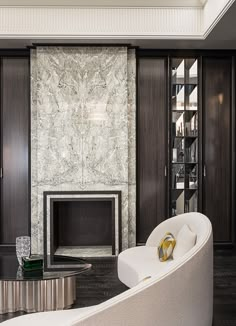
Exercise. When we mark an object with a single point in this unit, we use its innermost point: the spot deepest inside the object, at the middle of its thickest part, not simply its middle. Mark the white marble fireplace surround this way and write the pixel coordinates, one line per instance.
(84, 251)
(83, 128)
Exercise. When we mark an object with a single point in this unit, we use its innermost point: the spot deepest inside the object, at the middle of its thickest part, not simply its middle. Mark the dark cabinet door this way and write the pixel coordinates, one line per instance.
(14, 220)
(152, 145)
(217, 145)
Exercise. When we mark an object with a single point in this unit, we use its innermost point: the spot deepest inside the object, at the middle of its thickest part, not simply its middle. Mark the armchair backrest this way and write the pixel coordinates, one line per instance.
(197, 222)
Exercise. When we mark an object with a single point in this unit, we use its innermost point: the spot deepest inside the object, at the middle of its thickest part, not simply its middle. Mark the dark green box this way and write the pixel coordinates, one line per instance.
(32, 263)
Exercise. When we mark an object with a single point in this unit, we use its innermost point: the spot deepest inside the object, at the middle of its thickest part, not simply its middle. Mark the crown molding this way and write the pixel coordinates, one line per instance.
(212, 14)
(50, 22)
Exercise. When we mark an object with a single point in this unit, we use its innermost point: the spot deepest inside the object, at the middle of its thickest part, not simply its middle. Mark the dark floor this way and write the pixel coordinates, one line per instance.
(225, 288)
(101, 283)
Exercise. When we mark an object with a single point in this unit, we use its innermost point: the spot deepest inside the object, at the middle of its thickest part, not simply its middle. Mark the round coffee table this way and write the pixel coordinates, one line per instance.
(37, 291)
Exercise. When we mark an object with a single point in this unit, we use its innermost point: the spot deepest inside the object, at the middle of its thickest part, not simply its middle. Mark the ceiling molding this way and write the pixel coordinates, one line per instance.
(32, 22)
(212, 14)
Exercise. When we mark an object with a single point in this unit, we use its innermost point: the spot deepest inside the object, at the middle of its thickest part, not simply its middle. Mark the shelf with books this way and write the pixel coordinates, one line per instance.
(184, 135)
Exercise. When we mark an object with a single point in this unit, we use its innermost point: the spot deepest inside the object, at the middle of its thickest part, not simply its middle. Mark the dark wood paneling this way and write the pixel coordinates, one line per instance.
(152, 145)
(14, 149)
(217, 145)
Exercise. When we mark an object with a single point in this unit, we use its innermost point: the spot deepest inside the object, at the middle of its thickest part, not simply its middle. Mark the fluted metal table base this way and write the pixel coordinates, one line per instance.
(36, 296)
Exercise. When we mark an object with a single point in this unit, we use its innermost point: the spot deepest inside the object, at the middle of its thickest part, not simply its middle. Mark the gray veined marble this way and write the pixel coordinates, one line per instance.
(92, 251)
(83, 127)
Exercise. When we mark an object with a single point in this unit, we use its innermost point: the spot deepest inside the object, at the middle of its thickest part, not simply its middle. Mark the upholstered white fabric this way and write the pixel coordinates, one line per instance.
(130, 269)
(180, 294)
(135, 264)
(185, 241)
(57, 318)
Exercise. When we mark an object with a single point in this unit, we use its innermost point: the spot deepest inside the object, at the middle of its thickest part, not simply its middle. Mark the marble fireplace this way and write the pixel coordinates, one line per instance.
(83, 224)
(83, 146)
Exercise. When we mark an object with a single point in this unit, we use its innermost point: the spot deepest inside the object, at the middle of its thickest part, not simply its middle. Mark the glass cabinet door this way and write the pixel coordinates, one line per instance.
(184, 135)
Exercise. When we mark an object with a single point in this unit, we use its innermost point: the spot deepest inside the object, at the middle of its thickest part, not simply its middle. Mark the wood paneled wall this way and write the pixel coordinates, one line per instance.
(152, 145)
(15, 147)
(217, 157)
(216, 133)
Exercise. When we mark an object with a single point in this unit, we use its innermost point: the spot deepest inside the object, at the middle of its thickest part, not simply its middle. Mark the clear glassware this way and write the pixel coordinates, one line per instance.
(22, 248)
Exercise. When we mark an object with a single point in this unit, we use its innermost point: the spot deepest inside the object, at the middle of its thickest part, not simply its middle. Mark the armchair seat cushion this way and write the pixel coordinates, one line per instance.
(137, 263)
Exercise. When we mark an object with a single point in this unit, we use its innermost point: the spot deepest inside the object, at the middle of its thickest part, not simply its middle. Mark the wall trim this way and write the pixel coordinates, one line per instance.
(209, 26)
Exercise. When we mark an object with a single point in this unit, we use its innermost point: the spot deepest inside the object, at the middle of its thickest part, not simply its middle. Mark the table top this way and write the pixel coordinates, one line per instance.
(10, 269)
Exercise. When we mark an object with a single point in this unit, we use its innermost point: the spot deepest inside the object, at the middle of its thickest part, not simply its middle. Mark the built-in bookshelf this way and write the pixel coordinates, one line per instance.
(184, 135)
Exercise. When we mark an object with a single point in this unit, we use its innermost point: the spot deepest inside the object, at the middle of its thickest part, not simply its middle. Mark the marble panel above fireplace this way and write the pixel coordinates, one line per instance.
(83, 128)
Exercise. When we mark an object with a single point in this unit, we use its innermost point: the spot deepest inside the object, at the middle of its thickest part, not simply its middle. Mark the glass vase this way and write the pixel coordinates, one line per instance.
(22, 248)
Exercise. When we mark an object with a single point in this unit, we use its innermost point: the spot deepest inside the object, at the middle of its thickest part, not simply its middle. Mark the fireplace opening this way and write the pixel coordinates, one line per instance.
(83, 226)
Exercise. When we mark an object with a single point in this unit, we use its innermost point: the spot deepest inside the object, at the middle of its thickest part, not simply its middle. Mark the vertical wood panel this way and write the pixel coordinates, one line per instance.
(15, 149)
(152, 145)
(217, 145)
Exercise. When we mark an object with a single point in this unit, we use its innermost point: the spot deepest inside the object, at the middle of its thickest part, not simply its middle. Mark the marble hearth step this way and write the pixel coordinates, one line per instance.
(85, 251)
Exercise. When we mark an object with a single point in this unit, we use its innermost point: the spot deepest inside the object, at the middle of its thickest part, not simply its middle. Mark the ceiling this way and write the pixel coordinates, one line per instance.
(223, 36)
(100, 3)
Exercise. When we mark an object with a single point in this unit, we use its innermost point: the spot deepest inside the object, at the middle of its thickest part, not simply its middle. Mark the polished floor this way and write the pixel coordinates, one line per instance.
(101, 283)
(225, 288)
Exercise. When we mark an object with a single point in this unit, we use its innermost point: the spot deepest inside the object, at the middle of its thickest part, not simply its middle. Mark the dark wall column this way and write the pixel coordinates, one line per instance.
(152, 145)
(15, 190)
(217, 154)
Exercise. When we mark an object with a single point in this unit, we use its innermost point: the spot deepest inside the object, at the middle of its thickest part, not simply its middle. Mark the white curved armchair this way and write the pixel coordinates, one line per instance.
(180, 294)
(184, 285)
